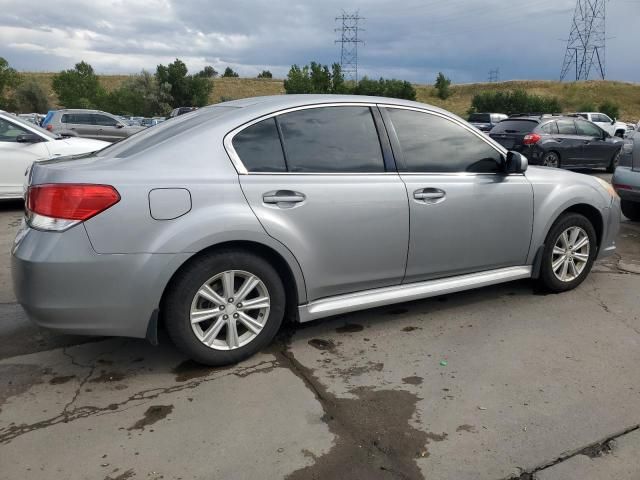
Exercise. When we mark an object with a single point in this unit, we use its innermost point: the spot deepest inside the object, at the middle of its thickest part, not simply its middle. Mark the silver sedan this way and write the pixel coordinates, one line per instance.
(220, 223)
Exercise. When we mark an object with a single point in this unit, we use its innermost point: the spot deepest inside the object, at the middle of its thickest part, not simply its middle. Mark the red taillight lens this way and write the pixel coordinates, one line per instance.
(49, 127)
(531, 138)
(622, 186)
(70, 201)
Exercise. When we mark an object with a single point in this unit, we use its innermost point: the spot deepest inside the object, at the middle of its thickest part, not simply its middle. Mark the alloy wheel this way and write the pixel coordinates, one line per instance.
(570, 254)
(230, 310)
(551, 160)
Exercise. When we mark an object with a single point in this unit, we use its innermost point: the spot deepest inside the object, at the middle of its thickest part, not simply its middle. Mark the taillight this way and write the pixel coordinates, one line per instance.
(531, 138)
(622, 186)
(59, 206)
(49, 127)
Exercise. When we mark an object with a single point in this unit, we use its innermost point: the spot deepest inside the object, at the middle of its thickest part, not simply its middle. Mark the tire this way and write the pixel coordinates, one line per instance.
(551, 159)
(631, 210)
(620, 134)
(582, 258)
(614, 162)
(210, 340)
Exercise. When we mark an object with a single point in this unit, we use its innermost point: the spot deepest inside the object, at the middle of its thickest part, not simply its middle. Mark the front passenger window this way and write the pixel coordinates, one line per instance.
(430, 143)
(104, 121)
(9, 131)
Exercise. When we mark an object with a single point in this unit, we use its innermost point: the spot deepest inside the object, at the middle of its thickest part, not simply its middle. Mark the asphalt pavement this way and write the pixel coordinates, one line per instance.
(497, 383)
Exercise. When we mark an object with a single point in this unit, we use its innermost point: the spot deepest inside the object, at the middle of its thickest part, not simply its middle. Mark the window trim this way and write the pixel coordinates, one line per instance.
(242, 170)
(397, 150)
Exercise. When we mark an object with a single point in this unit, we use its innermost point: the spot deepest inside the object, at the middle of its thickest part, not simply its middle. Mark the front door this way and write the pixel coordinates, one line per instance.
(597, 150)
(466, 215)
(317, 182)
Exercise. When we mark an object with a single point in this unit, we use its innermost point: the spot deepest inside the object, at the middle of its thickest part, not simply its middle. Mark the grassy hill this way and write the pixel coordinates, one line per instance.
(571, 95)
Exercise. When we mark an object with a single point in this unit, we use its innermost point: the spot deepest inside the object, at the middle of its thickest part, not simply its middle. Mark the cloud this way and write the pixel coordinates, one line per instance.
(411, 40)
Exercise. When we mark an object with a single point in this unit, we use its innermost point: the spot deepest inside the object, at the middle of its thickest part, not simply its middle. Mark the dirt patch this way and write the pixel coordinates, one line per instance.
(466, 428)
(374, 438)
(350, 328)
(413, 380)
(107, 377)
(358, 370)
(410, 329)
(153, 414)
(123, 476)
(61, 379)
(321, 344)
(17, 379)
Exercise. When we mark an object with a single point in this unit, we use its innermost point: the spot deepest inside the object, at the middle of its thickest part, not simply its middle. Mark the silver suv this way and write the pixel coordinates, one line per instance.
(219, 223)
(89, 124)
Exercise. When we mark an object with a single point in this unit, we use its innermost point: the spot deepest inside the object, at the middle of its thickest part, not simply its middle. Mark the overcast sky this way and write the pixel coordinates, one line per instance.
(412, 39)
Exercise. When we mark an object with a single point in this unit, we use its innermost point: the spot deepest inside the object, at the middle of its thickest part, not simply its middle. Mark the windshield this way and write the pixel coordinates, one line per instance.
(152, 136)
(32, 126)
(515, 126)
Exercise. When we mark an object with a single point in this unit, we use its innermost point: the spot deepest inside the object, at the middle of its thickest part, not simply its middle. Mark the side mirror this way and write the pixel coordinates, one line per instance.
(516, 163)
(28, 138)
(613, 122)
(119, 125)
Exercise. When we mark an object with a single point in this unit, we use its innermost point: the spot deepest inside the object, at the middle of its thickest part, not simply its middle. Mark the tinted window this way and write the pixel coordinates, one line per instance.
(9, 131)
(550, 127)
(480, 118)
(331, 139)
(588, 129)
(434, 144)
(600, 117)
(77, 118)
(515, 126)
(259, 148)
(566, 127)
(104, 121)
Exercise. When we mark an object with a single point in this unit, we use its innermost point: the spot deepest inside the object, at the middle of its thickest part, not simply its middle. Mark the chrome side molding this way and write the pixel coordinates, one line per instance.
(413, 291)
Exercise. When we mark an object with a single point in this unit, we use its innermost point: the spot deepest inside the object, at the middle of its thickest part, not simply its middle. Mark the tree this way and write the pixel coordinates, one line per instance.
(609, 108)
(78, 87)
(207, 72)
(9, 78)
(31, 97)
(298, 80)
(315, 78)
(229, 73)
(140, 95)
(185, 90)
(386, 88)
(442, 86)
(265, 74)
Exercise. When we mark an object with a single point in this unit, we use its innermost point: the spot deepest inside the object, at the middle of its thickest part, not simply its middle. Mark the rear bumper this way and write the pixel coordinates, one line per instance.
(629, 180)
(64, 285)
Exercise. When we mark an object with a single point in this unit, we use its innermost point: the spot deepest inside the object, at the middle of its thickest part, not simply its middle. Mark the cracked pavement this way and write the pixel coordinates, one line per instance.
(496, 383)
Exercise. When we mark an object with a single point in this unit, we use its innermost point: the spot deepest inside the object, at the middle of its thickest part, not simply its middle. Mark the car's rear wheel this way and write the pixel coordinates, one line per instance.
(225, 306)
(614, 162)
(570, 249)
(551, 159)
(631, 210)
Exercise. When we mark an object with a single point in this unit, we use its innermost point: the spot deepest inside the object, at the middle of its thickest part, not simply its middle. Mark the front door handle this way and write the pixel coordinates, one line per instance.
(429, 195)
(283, 197)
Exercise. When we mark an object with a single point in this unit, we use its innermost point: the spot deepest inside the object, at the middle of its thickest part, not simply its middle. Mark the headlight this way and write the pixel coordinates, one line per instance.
(607, 186)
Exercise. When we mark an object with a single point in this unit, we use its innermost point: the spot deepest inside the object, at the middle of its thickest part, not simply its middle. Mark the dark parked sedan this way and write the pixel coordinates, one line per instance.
(559, 141)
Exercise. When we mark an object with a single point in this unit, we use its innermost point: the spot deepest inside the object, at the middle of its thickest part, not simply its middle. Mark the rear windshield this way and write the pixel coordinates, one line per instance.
(480, 118)
(515, 126)
(153, 136)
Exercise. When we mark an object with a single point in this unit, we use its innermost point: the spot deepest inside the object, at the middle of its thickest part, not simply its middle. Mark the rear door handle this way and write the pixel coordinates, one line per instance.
(283, 196)
(429, 195)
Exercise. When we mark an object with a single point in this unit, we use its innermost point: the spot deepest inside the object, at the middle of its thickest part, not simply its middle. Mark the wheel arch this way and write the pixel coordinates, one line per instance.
(285, 264)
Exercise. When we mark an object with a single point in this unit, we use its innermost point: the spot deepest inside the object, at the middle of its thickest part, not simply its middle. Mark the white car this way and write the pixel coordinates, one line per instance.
(612, 127)
(22, 143)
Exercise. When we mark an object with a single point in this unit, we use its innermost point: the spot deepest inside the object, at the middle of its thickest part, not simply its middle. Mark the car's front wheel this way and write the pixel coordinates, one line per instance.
(570, 249)
(631, 210)
(224, 306)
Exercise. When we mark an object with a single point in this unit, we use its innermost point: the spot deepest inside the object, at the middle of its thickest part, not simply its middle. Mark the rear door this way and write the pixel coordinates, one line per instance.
(466, 215)
(510, 133)
(571, 153)
(317, 181)
(80, 124)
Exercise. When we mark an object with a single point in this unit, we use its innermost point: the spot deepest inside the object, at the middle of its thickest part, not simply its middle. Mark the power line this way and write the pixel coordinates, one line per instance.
(586, 44)
(349, 40)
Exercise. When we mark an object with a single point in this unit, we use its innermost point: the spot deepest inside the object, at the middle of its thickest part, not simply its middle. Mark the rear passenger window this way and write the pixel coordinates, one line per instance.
(430, 143)
(259, 148)
(566, 127)
(331, 139)
(550, 127)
